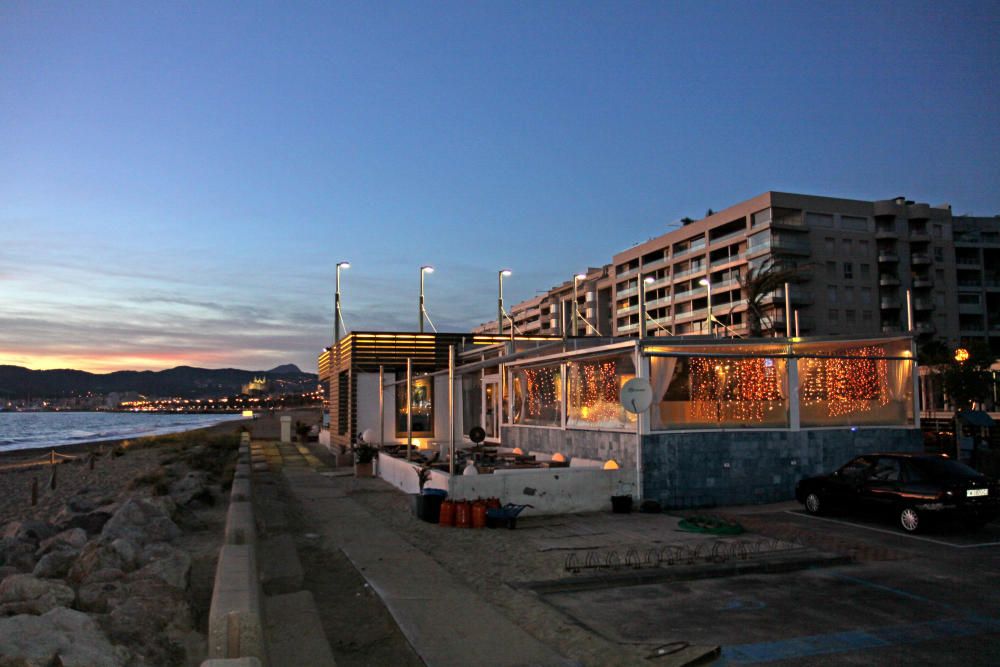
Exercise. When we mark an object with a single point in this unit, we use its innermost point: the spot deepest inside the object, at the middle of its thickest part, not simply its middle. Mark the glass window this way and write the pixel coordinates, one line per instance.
(866, 316)
(848, 294)
(849, 316)
(831, 294)
(712, 392)
(830, 247)
(538, 396)
(866, 270)
(819, 220)
(421, 399)
(938, 231)
(848, 271)
(833, 315)
(594, 391)
(472, 405)
(938, 253)
(866, 295)
(853, 223)
(762, 217)
(847, 245)
(759, 240)
(831, 269)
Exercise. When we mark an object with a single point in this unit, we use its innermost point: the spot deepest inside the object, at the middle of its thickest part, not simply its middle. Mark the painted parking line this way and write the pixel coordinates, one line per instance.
(858, 640)
(894, 532)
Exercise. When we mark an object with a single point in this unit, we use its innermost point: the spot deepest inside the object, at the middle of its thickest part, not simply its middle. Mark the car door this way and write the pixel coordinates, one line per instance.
(844, 486)
(881, 487)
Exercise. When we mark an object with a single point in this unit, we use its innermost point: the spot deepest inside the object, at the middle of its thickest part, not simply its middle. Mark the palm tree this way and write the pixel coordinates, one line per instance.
(757, 283)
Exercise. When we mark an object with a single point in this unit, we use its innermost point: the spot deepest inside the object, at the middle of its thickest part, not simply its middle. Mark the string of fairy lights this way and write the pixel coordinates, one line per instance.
(742, 390)
(848, 385)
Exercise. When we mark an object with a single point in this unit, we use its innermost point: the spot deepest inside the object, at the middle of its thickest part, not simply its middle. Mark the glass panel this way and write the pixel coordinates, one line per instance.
(855, 391)
(538, 396)
(594, 390)
(423, 408)
(699, 392)
(490, 419)
(472, 402)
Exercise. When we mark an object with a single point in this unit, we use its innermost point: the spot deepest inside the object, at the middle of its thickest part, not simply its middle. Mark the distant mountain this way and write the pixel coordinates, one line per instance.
(17, 382)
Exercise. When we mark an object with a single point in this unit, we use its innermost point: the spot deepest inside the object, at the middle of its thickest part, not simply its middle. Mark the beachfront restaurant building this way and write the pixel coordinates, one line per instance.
(729, 421)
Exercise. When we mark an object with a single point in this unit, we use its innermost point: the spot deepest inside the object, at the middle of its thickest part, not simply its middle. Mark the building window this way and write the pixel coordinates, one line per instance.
(847, 245)
(831, 294)
(938, 231)
(538, 396)
(833, 315)
(968, 298)
(938, 254)
(863, 246)
(594, 392)
(939, 298)
(819, 220)
(939, 274)
(831, 269)
(866, 295)
(761, 217)
(849, 317)
(866, 270)
(848, 294)
(343, 402)
(830, 247)
(848, 271)
(854, 223)
(866, 316)
(422, 404)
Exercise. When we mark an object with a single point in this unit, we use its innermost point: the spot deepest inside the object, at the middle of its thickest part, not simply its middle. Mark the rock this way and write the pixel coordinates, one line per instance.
(91, 522)
(28, 530)
(107, 574)
(151, 621)
(93, 557)
(127, 551)
(82, 504)
(59, 637)
(74, 538)
(100, 597)
(7, 570)
(166, 563)
(27, 594)
(55, 565)
(190, 488)
(17, 553)
(141, 521)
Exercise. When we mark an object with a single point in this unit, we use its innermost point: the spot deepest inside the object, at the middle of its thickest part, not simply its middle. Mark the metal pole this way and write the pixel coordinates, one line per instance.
(708, 286)
(576, 280)
(421, 314)
(500, 303)
(451, 409)
(788, 312)
(796, 323)
(336, 310)
(381, 406)
(409, 408)
(642, 307)
(909, 312)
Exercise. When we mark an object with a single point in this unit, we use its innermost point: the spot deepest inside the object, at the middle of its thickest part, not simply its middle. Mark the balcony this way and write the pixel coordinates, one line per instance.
(791, 222)
(919, 236)
(966, 260)
(628, 273)
(886, 234)
(887, 257)
(655, 303)
(689, 272)
(626, 329)
(887, 280)
(889, 303)
(922, 281)
(690, 250)
(785, 245)
(970, 308)
(627, 310)
(919, 258)
(728, 260)
(688, 293)
(656, 264)
(625, 293)
(891, 328)
(728, 237)
(923, 304)
(924, 328)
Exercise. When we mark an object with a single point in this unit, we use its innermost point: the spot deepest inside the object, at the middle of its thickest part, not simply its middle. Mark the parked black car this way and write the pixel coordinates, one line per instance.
(911, 487)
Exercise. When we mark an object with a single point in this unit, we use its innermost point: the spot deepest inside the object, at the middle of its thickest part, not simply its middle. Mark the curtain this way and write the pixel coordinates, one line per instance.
(662, 371)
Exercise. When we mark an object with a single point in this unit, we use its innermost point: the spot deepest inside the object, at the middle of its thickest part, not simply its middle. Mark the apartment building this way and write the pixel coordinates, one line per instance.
(854, 260)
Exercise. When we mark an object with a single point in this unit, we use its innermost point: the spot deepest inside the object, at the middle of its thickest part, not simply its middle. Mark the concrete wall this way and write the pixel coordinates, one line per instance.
(710, 468)
(548, 490)
(599, 445)
(367, 407)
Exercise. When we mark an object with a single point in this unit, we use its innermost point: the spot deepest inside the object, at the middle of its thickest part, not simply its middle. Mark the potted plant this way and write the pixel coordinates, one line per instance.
(621, 502)
(302, 430)
(364, 454)
(344, 457)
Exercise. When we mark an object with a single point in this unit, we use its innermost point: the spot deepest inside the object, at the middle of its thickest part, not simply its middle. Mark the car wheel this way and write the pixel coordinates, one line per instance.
(909, 519)
(814, 504)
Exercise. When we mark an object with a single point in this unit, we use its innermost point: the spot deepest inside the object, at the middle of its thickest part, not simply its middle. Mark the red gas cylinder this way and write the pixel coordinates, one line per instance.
(447, 516)
(479, 514)
(493, 503)
(463, 514)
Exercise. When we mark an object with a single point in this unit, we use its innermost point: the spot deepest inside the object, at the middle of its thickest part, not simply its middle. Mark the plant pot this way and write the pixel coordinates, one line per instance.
(345, 460)
(364, 469)
(621, 504)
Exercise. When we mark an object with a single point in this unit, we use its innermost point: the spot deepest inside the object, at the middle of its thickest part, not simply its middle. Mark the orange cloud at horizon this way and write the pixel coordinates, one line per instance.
(97, 362)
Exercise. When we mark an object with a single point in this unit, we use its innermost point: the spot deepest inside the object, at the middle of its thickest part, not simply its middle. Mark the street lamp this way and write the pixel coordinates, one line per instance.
(423, 311)
(336, 303)
(708, 320)
(500, 274)
(642, 303)
(576, 308)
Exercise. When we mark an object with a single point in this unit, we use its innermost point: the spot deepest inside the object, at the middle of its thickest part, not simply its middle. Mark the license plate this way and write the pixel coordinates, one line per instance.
(972, 493)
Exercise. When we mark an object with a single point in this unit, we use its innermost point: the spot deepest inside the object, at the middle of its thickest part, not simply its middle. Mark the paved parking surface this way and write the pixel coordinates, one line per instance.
(935, 600)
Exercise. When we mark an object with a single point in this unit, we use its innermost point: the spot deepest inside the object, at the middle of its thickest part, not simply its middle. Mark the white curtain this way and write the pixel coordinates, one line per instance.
(662, 371)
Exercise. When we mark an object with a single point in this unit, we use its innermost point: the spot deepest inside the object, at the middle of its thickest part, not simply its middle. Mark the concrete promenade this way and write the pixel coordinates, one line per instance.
(424, 599)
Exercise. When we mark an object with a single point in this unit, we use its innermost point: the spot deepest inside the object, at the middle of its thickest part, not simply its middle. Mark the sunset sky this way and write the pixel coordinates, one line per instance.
(177, 180)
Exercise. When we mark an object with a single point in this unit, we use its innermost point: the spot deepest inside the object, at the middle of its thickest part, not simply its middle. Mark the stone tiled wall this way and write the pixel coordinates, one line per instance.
(715, 468)
(601, 445)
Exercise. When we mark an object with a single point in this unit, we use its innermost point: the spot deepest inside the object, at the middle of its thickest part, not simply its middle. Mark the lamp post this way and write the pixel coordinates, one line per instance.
(708, 320)
(500, 274)
(576, 308)
(642, 303)
(423, 270)
(336, 303)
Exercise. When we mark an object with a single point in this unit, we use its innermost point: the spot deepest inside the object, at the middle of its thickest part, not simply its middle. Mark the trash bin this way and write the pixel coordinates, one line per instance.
(432, 499)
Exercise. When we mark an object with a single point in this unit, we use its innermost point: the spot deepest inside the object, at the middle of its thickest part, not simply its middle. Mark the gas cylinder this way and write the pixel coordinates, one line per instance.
(463, 514)
(479, 514)
(447, 516)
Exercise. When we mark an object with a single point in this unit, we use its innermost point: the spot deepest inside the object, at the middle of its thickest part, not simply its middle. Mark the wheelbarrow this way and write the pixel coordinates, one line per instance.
(504, 516)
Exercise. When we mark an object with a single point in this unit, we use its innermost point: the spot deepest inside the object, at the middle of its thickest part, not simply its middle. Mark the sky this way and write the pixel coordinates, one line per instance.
(179, 179)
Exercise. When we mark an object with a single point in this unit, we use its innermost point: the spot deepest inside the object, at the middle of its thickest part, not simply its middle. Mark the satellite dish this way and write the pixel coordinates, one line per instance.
(637, 395)
(477, 434)
(367, 436)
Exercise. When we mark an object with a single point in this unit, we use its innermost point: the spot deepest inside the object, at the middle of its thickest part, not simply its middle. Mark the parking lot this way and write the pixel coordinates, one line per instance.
(919, 599)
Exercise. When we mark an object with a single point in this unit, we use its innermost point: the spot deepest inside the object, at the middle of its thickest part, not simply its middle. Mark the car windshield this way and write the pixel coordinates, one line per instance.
(938, 468)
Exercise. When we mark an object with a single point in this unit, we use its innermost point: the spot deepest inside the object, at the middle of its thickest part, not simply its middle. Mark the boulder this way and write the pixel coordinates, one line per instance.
(74, 538)
(27, 594)
(7, 570)
(127, 551)
(17, 553)
(93, 557)
(55, 565)
(140, 521)
(81, 504)
(100, 597)
(59, 637)
(166, 563)
(91, 522)
(28, 530)
(190, 488)
(153, 621)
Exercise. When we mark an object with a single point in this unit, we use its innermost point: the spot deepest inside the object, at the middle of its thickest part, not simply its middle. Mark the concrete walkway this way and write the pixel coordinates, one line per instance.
(444, 620)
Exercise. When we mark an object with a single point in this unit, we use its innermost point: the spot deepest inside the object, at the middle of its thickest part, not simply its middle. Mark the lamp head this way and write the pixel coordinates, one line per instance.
(427, 269)
(580, 276)
(505, 272)
(649, 279)
(703, 282)
(343, 265)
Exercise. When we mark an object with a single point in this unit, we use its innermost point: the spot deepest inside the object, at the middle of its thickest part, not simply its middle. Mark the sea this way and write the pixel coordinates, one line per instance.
(34, 430)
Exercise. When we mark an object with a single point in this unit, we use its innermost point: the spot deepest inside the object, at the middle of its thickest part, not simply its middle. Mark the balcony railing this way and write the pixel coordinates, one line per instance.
(920, 258)
(689, 272)
(885, 256)
(887, 280)
(729, 260)
(690, 249)
(730, 235)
